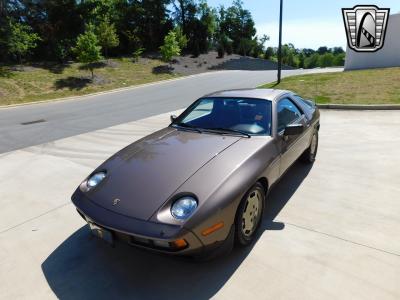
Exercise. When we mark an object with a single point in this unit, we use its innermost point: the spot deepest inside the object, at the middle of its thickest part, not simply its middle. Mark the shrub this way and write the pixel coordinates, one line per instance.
(170, 47)
(137, 53)
(63, 50)
(326, 60)
(180, 37)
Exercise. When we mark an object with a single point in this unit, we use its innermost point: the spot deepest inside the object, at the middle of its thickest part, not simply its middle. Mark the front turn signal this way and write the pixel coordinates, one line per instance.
(212, 229)
(179, 244)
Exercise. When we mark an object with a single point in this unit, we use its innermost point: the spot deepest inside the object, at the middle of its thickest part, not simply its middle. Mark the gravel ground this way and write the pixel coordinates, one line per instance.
(188, 65)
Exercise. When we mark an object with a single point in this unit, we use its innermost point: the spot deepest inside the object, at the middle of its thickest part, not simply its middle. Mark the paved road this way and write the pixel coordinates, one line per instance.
(331, 230)
(68, 118)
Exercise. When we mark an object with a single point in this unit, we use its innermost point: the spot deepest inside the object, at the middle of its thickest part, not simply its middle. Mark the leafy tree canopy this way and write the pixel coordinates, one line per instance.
(21, 39)
(170, 47)
(107, 35)
(87, 48)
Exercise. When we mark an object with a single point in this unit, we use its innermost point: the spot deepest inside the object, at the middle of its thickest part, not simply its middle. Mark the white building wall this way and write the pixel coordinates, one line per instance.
(388, 56)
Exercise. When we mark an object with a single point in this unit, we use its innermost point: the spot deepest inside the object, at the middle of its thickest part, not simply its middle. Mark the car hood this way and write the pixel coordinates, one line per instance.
(146, 173)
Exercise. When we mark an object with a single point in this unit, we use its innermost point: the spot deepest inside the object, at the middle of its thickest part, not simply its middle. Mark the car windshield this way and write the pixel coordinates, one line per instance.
(229, 115)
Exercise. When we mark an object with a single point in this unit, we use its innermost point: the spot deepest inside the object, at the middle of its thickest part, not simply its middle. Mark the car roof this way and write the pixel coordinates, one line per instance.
(267, 94)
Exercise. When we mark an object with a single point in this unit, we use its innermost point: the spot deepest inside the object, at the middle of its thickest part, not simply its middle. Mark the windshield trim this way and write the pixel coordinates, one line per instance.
(186, 112)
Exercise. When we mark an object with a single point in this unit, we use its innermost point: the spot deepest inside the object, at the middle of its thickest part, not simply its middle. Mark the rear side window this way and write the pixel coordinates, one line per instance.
(287, 113)
(298, 98)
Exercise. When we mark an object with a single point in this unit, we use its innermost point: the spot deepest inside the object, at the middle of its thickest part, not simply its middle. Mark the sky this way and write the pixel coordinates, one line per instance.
(307, 23)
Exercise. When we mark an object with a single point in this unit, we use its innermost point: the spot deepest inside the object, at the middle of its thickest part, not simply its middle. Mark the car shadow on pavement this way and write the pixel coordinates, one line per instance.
(83, 267)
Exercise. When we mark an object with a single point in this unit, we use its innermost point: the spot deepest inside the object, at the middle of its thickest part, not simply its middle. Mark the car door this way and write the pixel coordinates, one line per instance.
(291, 146)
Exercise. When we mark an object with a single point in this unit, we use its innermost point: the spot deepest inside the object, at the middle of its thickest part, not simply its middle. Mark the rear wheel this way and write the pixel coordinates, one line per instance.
(249, 214)
(311, 152)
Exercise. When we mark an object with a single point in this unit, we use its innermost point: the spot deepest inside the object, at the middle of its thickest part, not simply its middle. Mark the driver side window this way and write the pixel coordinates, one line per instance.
(287, 113)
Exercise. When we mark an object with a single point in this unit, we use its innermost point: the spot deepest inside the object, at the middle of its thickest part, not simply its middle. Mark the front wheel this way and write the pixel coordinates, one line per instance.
(249, 214)
(311, 152)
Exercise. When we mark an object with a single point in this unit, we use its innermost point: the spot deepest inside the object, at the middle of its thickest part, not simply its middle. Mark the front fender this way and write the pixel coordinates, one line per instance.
(221, 184)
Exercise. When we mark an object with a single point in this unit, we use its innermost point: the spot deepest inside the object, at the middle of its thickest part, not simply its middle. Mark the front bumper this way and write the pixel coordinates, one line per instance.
(136, 232)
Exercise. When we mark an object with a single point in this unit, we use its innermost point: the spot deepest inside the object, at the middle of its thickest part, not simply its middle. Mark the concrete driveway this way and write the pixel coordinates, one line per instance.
(331, 230)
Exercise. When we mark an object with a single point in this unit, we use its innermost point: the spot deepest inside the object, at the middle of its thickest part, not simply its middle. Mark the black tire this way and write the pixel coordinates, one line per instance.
(309, 155)
(243, 236)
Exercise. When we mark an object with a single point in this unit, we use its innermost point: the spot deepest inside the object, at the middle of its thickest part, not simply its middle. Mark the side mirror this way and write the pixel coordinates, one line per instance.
(294, 129)
(173, 118)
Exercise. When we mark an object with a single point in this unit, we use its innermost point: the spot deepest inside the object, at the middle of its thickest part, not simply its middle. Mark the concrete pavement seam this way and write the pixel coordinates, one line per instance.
(342, 239)
(34, 218)
(291, 224)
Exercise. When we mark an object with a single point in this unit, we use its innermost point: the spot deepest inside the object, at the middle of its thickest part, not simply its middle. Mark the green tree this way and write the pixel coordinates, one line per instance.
(87, 48)
(107, 35)
(301, 58)
(52, 21)
(21, 40)
(337, 50)
(258, 45)
(339, 59)
(170, 47)
(208, 23)
(180, 37)
(63, 49)
(289, 54)
(322, 50)
(238, 24)
(269, 53)
(197, 22)
(291, 60)
(312, 61)
(98, 10)
(245, 46)
(326, 60)
(152, 20)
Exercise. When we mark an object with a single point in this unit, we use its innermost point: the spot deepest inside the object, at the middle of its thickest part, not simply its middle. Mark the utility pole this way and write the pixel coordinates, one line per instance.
(280, 43)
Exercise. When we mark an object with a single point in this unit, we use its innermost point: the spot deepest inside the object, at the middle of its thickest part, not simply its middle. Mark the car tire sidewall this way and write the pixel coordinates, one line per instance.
(307, 156)
(312, 156)
(240, 238)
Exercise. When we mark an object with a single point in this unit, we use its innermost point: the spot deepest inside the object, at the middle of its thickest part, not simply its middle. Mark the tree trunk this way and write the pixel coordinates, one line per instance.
(183, 15)
(91, 70)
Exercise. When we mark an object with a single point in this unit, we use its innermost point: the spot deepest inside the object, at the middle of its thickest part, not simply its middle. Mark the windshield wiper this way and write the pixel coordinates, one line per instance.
(229, 130)
(188, 126)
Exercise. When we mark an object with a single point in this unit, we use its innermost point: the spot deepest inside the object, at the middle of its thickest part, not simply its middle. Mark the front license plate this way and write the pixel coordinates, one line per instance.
(102, 233)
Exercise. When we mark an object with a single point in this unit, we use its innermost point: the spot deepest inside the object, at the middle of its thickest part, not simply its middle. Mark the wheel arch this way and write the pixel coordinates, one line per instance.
(264, 183)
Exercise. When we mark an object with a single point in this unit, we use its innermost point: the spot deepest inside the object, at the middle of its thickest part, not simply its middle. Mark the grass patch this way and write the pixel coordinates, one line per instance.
(376, 86)
(36, 82)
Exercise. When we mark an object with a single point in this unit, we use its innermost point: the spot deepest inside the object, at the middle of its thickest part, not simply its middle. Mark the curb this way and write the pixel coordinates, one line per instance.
(360, 106)
(132, 87)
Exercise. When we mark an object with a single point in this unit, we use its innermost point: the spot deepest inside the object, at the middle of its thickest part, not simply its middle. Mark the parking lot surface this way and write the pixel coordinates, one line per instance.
(330, 231)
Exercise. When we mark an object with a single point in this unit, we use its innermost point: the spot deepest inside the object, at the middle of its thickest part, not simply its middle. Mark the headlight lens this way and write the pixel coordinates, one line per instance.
(95, 179)
(183, 208)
